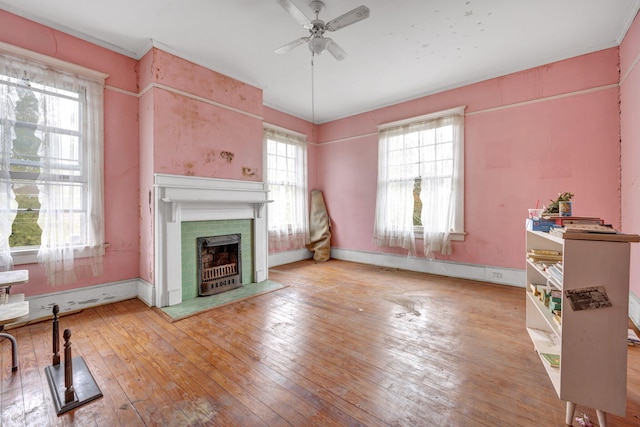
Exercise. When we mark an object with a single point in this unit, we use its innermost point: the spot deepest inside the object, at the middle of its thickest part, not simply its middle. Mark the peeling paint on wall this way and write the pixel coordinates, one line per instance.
(195, 138)
(226, 155)
(246, 171)
(188, 169)
(210, 157)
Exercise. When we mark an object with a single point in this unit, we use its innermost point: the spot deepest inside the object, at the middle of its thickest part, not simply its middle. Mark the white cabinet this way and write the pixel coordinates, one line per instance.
(592, 343)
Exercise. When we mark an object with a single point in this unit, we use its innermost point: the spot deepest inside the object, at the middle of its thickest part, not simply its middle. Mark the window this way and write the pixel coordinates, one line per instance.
(420, 182)
(287, 184)
(51, 158)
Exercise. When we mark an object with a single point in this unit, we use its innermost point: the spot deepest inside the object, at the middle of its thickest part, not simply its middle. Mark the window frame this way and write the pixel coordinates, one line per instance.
(459, 233)
(28, 254)
(302, 186)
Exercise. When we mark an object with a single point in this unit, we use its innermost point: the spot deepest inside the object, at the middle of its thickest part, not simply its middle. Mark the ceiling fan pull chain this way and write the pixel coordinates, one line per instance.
(313, 109)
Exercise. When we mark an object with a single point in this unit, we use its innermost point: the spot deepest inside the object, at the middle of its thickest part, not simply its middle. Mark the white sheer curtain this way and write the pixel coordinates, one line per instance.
(429, 152)
(8, 204)
(287, 184)
(440, 193)
(397, 171)
(71, 212)
(70, 184)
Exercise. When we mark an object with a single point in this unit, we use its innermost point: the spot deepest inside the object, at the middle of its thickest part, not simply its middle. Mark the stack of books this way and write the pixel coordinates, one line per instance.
(547, 260)
(555, 305)
(551, 298)
(584, 228)
(561, 221)
(538, 290)
(555, 271)
(544, 256)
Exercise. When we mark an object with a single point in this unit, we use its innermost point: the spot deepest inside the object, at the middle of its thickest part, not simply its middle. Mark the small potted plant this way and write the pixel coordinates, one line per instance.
(554, 206)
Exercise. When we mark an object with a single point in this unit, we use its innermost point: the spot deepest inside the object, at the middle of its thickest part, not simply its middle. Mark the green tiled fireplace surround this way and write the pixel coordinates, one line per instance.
(191, 230)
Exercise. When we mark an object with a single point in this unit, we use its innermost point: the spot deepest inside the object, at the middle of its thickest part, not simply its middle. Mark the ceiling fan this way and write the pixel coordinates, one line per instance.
(316, 40)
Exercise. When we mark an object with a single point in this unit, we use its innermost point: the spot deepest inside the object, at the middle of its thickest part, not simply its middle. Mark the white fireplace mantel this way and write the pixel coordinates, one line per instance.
(185, 198)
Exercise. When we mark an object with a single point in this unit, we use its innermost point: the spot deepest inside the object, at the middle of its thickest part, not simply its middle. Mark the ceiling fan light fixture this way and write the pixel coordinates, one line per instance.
(318, 45)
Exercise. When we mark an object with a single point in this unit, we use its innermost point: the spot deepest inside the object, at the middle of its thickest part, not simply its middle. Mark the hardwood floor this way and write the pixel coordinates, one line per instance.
(343, 345)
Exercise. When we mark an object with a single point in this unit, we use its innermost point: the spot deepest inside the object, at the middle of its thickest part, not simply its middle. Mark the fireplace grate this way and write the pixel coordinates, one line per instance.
(219, 259)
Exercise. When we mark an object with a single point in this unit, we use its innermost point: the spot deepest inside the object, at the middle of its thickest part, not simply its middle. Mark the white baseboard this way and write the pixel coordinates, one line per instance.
(287, 257)
(634, 309)
(485, 273)
(41, 306)
(147, 292)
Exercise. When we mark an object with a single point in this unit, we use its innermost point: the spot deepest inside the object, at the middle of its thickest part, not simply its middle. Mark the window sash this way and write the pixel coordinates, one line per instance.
(286, 165)
(71, 165)
(430, 150)
(69, 174)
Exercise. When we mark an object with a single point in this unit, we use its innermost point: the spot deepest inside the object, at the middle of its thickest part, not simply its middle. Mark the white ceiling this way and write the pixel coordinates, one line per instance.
(405, 49)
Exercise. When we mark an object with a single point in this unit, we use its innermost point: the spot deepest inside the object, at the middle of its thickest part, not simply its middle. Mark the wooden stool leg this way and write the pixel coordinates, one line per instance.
(56, 337)
(571, 409)
(14, 350)
(69, 393)
(602, 418)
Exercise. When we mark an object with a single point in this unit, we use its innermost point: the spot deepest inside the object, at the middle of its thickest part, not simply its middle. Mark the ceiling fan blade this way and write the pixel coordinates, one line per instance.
(287, 47)
(335, 50)
(295, 13)
(351, 17)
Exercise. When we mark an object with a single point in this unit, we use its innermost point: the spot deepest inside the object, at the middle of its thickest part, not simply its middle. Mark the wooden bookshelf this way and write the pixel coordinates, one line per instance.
(592, 343)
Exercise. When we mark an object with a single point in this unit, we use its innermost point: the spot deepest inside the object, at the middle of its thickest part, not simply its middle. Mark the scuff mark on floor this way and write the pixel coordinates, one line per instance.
(412, 306)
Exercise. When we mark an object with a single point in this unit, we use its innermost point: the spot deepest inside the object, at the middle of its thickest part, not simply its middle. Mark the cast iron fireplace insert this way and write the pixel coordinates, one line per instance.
(219, 264)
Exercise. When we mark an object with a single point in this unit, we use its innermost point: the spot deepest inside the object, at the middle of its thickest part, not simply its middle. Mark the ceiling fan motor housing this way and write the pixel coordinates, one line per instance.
(317, 42)
(317, 6)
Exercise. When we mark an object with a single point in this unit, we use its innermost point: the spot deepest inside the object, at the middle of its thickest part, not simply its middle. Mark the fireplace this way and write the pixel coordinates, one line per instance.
(219, 264)
(181, 200)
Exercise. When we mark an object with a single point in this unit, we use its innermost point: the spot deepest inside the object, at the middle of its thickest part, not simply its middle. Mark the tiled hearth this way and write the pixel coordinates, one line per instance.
(184, 199)
(192, 230)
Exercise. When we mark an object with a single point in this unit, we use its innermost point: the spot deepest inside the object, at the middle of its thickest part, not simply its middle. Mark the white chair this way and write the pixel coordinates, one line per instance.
(13, 308)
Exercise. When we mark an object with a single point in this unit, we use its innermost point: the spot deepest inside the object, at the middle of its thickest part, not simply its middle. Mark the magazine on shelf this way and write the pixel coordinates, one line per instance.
(588, 298)
(552, 359)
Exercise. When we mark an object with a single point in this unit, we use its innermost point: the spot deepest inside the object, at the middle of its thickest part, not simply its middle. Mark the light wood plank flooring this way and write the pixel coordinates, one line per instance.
(344, 344)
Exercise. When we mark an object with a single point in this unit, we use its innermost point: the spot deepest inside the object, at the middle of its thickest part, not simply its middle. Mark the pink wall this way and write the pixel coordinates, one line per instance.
(528, 137)
(121, 159)
(197, 115)
(146, 114)
(195, 122)
(630, 132)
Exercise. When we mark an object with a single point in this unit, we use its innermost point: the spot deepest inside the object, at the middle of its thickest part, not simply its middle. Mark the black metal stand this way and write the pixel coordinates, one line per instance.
(71, 384)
